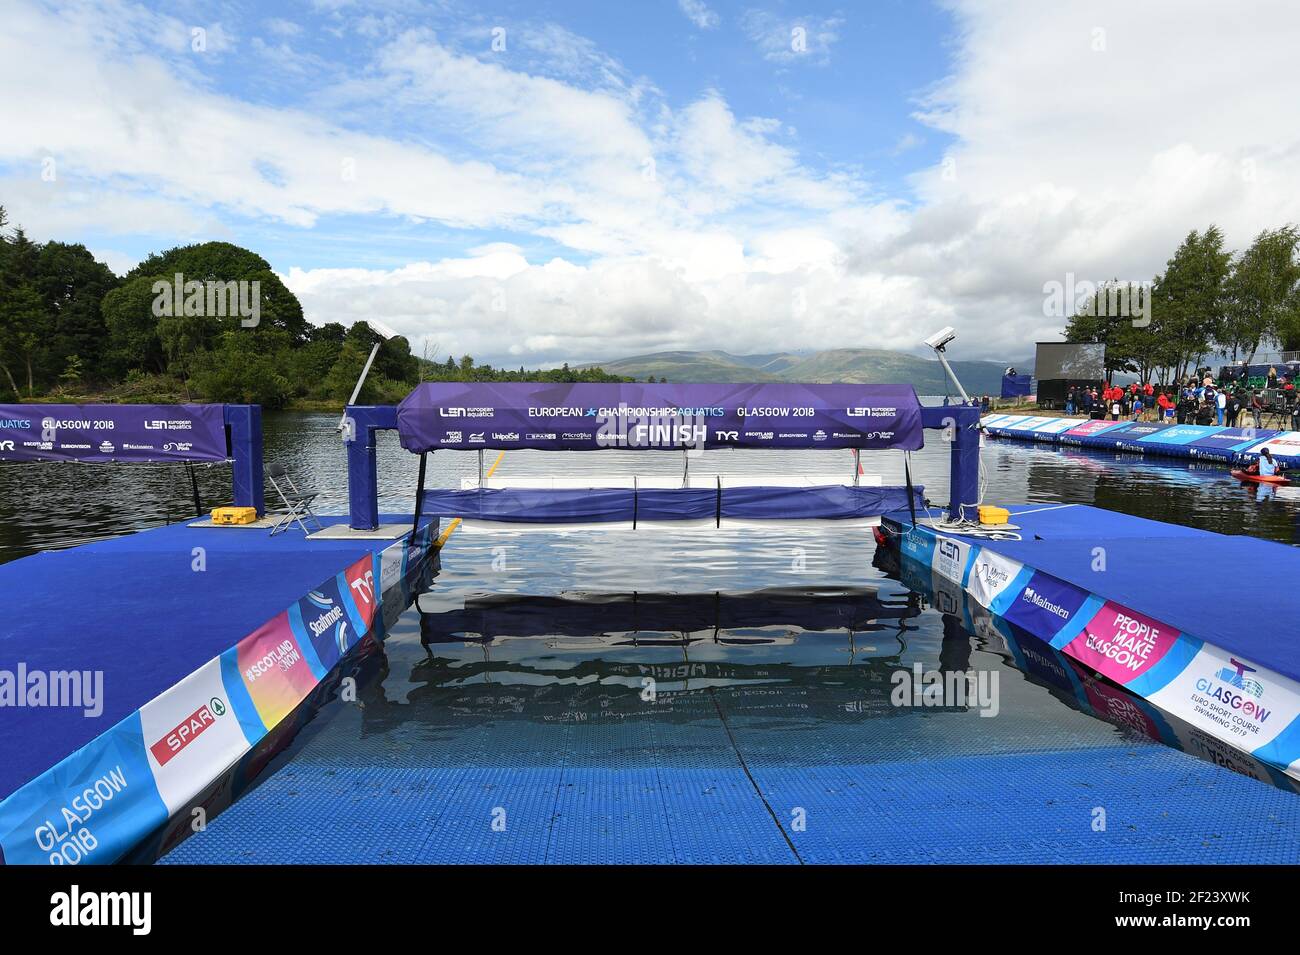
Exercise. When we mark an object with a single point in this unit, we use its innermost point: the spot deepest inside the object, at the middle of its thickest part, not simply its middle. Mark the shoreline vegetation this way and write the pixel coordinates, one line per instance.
(196, 323)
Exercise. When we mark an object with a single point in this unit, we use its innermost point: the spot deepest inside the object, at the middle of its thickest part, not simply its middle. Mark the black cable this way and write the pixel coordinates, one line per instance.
(419, 495)
(194, 486)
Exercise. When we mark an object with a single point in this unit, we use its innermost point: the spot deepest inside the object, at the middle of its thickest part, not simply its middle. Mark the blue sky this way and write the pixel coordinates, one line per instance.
(847, 104)
(623, 178)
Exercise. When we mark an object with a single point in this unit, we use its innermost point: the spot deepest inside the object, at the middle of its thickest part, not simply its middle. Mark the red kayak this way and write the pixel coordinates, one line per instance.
(1258, 479)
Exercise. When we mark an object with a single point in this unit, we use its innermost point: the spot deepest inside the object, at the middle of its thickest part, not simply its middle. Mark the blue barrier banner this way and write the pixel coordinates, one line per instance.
(1232, 439)
(606, 505)
(102, 433)
(1016, 386)
(591, 416)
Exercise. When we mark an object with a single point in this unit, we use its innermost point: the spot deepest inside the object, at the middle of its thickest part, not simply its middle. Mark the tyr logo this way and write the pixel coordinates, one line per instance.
(364, 587)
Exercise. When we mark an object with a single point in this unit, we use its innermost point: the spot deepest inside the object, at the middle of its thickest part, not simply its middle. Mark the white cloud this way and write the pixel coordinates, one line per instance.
(281, 27)
(788, 40)
(699, 13)
(682, 225)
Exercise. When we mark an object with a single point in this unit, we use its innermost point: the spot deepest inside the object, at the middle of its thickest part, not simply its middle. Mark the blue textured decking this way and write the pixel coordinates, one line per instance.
(648, 792)
(135, 609)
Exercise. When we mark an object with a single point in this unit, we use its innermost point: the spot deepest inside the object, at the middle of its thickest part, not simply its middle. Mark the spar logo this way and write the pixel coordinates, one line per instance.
(187, 731)
(1042, 603)
(1232, 687)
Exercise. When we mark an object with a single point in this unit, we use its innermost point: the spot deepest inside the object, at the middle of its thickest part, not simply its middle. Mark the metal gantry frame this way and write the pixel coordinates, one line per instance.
(958, 425)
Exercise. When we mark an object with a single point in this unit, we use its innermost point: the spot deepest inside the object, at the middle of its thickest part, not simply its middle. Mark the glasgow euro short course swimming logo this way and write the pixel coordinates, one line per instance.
(1234, 677)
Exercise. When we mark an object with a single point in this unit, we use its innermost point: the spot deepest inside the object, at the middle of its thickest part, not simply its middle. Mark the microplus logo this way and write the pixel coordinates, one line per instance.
(209, 299)
(1042, 603)
(75, 907)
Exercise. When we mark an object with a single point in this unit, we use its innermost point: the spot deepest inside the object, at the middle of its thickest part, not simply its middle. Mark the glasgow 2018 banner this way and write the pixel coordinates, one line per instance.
(102, 433)
(591, 416)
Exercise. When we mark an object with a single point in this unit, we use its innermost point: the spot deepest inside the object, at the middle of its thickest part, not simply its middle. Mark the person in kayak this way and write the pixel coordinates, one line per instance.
(1267, 465)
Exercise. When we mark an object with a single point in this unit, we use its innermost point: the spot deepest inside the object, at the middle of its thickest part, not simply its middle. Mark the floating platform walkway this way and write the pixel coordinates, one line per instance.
(1172, 614)
(1203, 442)
(136, 671)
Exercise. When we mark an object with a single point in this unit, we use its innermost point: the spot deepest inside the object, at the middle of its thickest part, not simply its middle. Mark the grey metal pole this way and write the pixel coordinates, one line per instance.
(360, 381)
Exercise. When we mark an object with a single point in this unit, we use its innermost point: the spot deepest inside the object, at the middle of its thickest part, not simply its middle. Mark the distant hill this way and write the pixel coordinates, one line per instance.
(850, 365)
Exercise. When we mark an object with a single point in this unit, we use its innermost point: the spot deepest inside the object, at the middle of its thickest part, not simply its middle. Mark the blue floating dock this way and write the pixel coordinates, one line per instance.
(153, 637)
(1148, 606)
(1204, 442)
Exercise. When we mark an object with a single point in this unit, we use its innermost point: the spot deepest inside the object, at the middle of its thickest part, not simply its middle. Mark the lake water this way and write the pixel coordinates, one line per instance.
(518, 682)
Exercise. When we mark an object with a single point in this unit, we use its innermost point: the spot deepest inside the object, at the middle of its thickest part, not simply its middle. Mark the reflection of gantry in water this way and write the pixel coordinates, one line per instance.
(824, 652)
(587, 621)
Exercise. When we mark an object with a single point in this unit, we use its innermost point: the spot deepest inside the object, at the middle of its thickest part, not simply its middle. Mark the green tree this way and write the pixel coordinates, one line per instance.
(22, 321)
(72, 285)
(244, 369)
(224, 262)
(1188, 299)
(133, 341)
(1261, 294)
